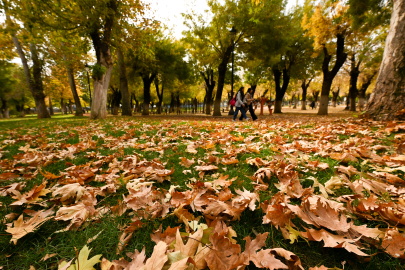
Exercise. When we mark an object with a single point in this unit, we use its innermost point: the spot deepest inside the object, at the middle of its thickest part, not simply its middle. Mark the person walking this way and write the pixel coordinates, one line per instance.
(248, 102)
(239, 105)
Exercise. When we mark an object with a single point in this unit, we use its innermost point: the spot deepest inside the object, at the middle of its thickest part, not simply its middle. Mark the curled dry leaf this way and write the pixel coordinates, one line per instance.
(21, 228)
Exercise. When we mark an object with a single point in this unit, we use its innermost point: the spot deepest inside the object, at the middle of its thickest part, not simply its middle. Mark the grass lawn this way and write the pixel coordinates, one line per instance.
(102, 158)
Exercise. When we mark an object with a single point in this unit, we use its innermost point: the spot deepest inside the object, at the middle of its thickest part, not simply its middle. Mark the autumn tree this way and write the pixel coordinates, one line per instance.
(215, 35)
(32, 35)
(329, 25)
(97, 24)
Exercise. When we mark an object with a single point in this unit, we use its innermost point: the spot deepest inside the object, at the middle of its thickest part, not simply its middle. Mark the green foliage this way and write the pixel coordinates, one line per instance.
(98, 71)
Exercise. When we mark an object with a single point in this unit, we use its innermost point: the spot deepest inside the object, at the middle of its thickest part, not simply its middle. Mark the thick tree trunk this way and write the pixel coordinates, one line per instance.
(63, 106)
(209, 90)
(126, 103)
(221, 80)
(100, 86)
(329, 75)
(35, 85)
(38, 94)
(280, 90)
(79, 109)
(388, 97)
(147, 81)
(50, 106)
(335, 97)
(354, 76)
(5, 113)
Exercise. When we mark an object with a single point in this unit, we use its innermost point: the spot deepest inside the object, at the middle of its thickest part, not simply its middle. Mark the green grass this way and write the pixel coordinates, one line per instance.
(68, 130)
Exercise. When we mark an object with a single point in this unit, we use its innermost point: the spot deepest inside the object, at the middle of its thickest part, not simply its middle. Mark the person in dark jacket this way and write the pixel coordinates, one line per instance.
(239, 106)
(248, 102)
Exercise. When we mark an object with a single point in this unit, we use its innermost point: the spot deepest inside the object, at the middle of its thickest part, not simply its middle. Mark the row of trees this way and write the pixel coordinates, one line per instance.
(317, 42)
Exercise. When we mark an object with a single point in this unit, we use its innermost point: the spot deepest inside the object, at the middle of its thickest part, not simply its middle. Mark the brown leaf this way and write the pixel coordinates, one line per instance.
(168, 236)
(192, 244)
(223, 254)
(158, 257)
(22, 228)
(394, 244)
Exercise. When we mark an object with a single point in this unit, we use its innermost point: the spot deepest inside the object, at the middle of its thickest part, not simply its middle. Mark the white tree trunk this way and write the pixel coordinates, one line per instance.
(100, 89)
(388, 97)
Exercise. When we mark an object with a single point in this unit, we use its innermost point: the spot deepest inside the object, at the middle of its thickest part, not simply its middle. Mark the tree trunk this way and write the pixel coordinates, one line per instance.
(100, 86)
(209, 89)
(363, 90)
(354, 76)
(35, 85)
(79, 109)
(221, 80)
(63, 106)
(329, 75)
(70, 107)
(172, 103)
(50, 106)
(280, 90)
(126, 102)
(147, 81)
(5, 113)
(388, 97)
(304, 98)
(160, 96)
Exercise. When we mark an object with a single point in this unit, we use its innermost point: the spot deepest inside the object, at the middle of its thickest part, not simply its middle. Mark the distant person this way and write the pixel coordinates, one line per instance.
(312, 105)
(239, 104)
(248, 102)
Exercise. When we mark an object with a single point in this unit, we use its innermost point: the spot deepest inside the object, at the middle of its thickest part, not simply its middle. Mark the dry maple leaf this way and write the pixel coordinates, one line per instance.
(394, 244)
(321, 213)
(252, 246)
(168, 236)
(31, 196)
(293, 261)
(158, 257)
(186, 162)
(192, 244)
(245, 198)
(74, 191)
(21, 227)
(223, 254)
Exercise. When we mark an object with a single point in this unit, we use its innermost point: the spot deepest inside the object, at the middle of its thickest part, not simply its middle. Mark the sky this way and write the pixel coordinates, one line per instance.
(169, 11)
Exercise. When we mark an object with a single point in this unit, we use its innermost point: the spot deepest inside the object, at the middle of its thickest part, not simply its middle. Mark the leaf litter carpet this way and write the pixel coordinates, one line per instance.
(339, 182)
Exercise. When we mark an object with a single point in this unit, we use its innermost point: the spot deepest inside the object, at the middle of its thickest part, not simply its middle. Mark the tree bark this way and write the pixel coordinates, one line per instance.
(304, 86)
(221, 80)
(50, 106)
(4, 108)
(280, 90)
(387, 101)
(126, 102)
(116, 101)
(354, 76)
(104, 59)
(35, 83)
(147, 81)
(79, 109)
(209, 88)
(160, 96)
(329, 75)
(335, 97)
(363, 90)
(63, 106)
